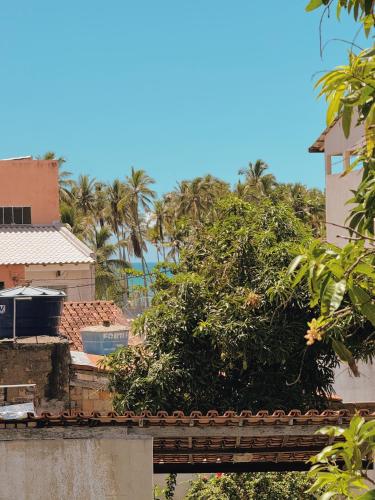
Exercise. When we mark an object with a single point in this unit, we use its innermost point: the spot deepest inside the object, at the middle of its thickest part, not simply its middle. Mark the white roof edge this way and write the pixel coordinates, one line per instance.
(76, 241)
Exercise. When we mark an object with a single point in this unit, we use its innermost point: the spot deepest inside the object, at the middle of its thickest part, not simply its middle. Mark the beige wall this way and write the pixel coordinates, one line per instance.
(77, 280)
(338, 192)
(32, 183)
(78, 469)
(338, 186)
(89, 391)
(356, 389)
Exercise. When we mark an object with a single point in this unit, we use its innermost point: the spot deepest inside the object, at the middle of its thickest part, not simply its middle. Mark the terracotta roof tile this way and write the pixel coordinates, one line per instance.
(78, 315)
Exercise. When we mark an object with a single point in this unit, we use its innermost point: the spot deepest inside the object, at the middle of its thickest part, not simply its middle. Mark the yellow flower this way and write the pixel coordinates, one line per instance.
(313, 333)
(253, 300)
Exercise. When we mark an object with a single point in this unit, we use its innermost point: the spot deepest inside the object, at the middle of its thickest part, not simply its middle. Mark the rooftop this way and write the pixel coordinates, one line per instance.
(78, 315)
(27, 244)
(200, 443)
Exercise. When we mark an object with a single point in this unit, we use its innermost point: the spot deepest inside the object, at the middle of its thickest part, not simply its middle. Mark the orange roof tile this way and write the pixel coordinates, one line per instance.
(78, 315)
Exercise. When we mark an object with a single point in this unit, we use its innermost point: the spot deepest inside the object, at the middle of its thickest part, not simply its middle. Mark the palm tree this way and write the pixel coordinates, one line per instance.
(108, 267)
(71, 216)
(137, 200)
(159, 215)
(84, 194)
(257, 183)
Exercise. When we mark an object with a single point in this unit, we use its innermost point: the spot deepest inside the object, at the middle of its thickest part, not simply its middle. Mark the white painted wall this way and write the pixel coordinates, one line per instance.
(356, 389)
(338, 192)
(76, 469)
(78, 281)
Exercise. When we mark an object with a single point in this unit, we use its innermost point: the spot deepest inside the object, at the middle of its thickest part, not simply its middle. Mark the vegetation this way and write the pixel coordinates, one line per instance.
(342, 280)
(121, 220)
(252, 486)
(339, 469)
(217, 334)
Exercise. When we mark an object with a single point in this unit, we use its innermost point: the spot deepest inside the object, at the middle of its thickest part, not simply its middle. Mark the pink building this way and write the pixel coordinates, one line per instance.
(34, 246)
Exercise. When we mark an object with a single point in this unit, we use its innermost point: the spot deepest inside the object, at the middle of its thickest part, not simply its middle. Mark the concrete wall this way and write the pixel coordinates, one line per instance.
(78, 281)
(77, 469)
(338, 192)
(31, 183)
(356, 389)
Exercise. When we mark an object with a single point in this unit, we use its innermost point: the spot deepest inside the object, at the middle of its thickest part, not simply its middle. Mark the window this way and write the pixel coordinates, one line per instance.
(15, 215)
(2, 285)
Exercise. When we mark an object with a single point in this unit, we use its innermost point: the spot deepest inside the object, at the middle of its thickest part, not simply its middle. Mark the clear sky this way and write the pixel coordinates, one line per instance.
(179, 88)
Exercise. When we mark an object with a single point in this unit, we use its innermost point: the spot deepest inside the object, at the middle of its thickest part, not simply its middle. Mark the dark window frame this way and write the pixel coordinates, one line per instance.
(15, 216)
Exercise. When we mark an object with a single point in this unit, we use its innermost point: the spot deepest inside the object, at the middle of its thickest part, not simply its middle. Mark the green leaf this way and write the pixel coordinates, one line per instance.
(370, 495)
(295, 263)
(362, 301)
(347, 120)
(313, 4)
(342, 351)
(333, 294)
(327, 495)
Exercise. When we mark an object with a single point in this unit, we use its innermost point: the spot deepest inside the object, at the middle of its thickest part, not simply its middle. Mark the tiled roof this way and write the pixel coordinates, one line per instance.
(78, 315)
(198, 442)
(21, 244)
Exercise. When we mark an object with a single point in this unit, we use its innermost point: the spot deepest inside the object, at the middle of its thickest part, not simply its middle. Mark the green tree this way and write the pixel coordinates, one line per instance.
(215, 336)
(108, 268)
(138, 201)
(252, 486)
(257, 183)
(342, 280)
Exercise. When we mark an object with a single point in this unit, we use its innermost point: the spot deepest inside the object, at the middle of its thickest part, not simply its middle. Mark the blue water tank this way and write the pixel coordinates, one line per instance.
(38, 311)
(104, 339)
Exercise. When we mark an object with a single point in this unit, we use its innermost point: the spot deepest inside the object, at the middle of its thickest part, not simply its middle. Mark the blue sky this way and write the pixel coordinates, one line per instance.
(179, 88)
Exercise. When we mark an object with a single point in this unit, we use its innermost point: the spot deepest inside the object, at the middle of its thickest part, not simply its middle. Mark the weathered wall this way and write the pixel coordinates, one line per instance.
(34, 183)
(12, 275)
(42, 362)
(77, 281)
(89, 391)
(85, 468)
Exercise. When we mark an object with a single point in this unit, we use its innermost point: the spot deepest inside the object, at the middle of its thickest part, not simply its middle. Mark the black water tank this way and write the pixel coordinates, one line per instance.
(38, 311)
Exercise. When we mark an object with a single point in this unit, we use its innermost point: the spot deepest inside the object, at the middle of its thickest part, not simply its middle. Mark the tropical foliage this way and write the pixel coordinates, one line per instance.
(252, 486)
(342, 280)
(340, 469)
(219, 334)
(122, 219)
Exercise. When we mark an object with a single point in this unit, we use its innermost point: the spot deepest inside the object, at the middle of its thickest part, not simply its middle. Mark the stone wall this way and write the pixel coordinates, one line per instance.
(89, 391)
(43, 361)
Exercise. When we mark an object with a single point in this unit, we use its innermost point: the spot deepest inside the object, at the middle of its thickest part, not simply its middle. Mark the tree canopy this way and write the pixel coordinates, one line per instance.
(215, 336)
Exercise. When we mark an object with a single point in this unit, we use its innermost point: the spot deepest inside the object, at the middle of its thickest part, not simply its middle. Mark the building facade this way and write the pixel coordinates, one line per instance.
(338, 152)
(35, 247)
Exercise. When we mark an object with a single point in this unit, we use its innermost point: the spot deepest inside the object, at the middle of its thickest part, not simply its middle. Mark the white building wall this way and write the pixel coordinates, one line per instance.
(356, 389)
(338, 192)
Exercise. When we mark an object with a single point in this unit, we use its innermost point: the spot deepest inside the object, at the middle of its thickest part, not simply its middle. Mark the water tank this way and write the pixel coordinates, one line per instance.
(104, 339)
(38, 311)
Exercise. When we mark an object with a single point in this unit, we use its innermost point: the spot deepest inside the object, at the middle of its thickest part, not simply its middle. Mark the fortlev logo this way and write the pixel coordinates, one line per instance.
(3, 308)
